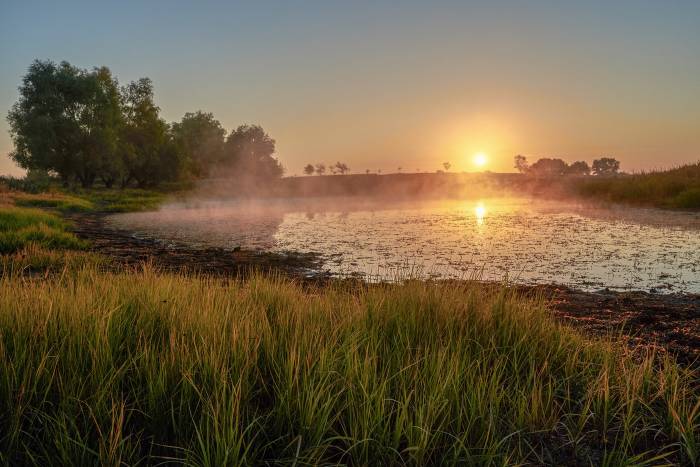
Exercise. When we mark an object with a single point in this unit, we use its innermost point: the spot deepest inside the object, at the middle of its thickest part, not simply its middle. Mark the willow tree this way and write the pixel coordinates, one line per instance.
(148, 152)
(66, 121)
(201, 138)
(250, 152)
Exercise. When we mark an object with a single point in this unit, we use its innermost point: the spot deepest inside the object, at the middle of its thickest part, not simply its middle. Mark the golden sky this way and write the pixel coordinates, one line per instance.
(382, 85)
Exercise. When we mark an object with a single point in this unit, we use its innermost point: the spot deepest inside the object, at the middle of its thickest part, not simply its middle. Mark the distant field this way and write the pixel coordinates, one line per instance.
(676, 188)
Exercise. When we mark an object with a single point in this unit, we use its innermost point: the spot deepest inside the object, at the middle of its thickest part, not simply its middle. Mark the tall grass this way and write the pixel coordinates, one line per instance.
(677, 188)
(143, 367)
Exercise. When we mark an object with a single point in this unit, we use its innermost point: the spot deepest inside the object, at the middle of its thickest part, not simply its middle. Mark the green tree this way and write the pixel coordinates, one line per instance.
(521, 164)
(249, 151)
(65, 121)
(549, 167)
(341, 168)
(148, 151)
(606, 166)
(201, 139)
(103, 122)
(579, 168)
(309, 169)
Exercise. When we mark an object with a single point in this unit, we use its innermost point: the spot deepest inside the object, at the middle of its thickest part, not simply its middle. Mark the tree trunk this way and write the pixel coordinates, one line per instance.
(108, 181)
(86, 180)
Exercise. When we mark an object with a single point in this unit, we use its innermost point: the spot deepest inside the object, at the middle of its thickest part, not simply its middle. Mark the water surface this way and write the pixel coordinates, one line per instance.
(529, 241)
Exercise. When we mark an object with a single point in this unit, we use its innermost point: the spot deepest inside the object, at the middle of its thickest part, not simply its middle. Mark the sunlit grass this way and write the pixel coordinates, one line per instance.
(34, 258)
(59, 201)
(142, 367)
(22, 227)
(100, 200)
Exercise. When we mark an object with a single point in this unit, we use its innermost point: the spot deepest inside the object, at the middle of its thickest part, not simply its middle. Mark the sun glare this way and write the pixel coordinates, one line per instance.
(480, 159)
(480, 213)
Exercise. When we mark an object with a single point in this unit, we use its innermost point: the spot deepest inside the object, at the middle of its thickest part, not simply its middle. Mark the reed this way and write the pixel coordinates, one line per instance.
(143, 367)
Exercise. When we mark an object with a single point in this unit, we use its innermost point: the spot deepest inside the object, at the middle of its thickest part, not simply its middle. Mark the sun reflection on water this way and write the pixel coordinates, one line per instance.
(556, 242)
(480, 213)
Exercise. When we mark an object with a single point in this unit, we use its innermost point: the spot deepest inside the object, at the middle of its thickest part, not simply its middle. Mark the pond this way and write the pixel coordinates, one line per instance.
(526, 240)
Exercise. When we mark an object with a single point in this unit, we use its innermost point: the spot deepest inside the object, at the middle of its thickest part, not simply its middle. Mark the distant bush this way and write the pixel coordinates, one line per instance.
(676, 188)
(687, 199)
(35, 181)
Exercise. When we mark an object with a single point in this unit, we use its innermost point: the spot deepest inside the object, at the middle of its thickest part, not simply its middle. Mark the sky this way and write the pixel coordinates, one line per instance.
(382, 85)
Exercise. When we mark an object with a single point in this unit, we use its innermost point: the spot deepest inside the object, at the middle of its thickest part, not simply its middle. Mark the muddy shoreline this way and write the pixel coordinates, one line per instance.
(668, 322)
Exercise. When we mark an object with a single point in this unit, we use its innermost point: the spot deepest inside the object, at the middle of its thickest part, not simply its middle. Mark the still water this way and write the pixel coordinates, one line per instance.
(528, 241)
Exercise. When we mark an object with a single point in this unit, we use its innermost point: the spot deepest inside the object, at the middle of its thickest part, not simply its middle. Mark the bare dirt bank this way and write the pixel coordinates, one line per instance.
(668, 322)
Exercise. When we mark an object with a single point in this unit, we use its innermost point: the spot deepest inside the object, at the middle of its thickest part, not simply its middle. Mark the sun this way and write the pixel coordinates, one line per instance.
(480, 159)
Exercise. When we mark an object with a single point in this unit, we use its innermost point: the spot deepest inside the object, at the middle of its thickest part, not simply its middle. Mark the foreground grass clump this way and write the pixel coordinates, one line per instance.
(35, 259)
(22, 227)
(677, 188)
(100, 368)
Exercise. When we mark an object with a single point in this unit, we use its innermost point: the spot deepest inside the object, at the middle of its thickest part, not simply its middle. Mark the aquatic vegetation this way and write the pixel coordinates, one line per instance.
(146, 367)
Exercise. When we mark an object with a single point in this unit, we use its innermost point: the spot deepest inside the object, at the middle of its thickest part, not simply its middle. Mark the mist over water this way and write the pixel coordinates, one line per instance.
(529, 241)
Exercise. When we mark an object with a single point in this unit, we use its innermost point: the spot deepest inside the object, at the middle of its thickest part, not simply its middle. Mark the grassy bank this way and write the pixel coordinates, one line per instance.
(23, 227)
(145, 367)
(677, 188)
(93, 200)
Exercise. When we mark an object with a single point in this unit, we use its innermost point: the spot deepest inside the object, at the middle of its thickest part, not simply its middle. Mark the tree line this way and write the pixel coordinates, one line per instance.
(82, 126)
(554, 166)
(339, 168)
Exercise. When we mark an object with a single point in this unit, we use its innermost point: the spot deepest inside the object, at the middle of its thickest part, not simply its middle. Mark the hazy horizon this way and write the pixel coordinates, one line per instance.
(381, 87)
